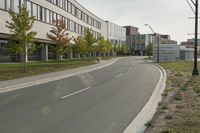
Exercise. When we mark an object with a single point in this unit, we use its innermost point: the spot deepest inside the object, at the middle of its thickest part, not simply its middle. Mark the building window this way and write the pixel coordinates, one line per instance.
(2, 4)
(28, 6)
(65, 5)
(47, 16)
(8, 5)
(16, 6)
(39, 15)
(50, 17)
(44, 15)
(73, 10)
(69, 7)
(34, 10)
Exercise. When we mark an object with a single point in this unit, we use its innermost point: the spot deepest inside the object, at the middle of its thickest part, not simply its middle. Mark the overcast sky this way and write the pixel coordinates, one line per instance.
(165, 16)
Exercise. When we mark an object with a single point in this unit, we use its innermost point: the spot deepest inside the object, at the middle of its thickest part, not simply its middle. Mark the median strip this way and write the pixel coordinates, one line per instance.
(77, 92)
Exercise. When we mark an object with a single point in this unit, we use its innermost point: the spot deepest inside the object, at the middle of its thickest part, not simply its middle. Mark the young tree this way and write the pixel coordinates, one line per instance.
(59, 36)
(79, 46)
(149, 50)
(124, 49)
(22, 38)
(101, 47)
(90, 40)
(109, 46)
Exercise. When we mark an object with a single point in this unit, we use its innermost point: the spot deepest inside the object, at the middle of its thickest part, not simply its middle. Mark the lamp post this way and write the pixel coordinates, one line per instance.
(158, 43)
(195, 69)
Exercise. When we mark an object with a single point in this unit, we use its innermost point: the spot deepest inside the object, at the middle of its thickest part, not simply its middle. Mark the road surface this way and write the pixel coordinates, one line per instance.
(102, 101)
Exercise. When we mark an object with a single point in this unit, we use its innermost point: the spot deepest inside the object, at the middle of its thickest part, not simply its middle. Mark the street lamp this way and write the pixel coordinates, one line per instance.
(195, 71)
(158, 45)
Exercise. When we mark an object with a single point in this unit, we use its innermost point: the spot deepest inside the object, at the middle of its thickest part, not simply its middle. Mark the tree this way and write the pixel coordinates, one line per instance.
(90, 40)
(149, 49)
(22, 38)
(101, 47)
(109, 46)
(59, 36)
(79, 46)
(124, 49)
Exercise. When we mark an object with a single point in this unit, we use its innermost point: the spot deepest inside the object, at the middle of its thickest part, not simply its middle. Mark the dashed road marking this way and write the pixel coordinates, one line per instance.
(77, 92)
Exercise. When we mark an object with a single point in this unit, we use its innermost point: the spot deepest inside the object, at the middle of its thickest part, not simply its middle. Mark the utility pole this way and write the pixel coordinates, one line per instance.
(195, 69)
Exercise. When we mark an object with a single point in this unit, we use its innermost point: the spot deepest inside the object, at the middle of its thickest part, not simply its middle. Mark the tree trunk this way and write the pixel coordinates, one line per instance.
(25, 57)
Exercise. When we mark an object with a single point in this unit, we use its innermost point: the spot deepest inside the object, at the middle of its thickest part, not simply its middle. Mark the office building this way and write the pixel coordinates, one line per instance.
(116, 33)
(76, 17)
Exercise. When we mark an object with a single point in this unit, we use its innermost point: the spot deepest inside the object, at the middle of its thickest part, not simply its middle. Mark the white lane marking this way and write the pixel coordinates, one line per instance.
(119, 75)
(77, 92)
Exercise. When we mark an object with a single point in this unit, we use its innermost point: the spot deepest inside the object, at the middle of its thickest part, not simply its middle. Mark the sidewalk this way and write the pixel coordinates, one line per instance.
(16, 84)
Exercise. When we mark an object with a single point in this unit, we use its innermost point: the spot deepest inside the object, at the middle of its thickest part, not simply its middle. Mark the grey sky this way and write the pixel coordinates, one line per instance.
(165, 16)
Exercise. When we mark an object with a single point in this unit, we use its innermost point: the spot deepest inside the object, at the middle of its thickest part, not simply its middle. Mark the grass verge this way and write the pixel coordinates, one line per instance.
(179, 110)
(15, 70)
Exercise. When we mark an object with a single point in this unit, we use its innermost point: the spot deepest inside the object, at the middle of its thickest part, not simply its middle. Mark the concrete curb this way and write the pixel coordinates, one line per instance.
(50, 79)
(148, 111)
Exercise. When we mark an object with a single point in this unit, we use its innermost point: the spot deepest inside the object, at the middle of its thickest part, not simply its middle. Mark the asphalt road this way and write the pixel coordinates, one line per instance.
(102, 101)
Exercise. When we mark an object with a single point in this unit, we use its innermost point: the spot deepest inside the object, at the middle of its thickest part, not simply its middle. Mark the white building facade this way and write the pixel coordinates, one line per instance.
(77, 19)
(116, 34)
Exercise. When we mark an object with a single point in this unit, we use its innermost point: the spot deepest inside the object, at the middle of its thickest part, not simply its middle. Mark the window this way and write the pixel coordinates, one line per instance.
(34, 10)
(65, 5)
(8, 5)
(39, 15)
(61, 3)
(29, 8)
(89, 20)
(2, 4)
(69, 7)
(50, 17)
(44, 15)
(47, 16)
(72, 26)
(55, 16)
(86, 18)
(16, 6)
(73, 10)
(78, 14)
(76, 28)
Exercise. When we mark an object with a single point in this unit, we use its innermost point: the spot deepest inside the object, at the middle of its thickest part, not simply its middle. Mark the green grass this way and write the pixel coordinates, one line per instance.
(15, 70)
(183, 104)
(179, 67)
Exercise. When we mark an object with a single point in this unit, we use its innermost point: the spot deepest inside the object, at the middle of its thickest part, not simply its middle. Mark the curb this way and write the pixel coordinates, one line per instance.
(149, 109)
(46, 80)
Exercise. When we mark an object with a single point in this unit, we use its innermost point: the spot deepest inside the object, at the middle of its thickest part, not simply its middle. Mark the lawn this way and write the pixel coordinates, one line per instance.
(179, 110)
(15, 70)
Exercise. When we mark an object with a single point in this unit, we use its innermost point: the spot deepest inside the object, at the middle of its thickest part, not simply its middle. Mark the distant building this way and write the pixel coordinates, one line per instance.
(138, 42)
(186, 53)
(130, 30)
(116, 33)
(167, 52)
(190, 43)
